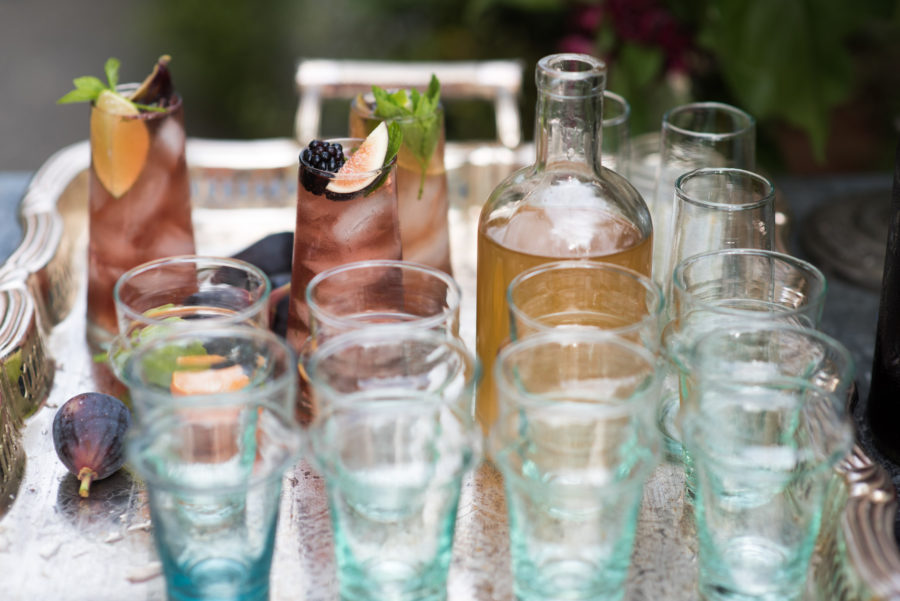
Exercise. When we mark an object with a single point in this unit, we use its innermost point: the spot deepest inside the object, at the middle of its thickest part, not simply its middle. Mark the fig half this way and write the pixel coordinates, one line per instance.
(89, 435)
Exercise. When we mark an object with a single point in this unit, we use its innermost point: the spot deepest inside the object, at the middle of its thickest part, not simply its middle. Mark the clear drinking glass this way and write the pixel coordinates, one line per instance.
(616, 144)
(585, 294)
(393, 437)
(727, 287)
(575, 442)
(333, 229)
(701, 134)
(763, 444)
(139, 201)
(181, 289)
(421, 188)
(213, 471)
(718, 208)
(365, 293)
(196, 366)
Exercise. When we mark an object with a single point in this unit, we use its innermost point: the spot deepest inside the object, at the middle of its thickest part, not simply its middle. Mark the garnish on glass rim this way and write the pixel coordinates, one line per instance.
(418, 118)
(89, 88)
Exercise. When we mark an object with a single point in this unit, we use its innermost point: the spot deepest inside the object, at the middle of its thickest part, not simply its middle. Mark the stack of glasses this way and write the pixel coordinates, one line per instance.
(719, 349)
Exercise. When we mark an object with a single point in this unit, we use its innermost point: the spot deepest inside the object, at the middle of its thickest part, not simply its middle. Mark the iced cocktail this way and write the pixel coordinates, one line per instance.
(421, 175)
(139, 199)
(346, 211)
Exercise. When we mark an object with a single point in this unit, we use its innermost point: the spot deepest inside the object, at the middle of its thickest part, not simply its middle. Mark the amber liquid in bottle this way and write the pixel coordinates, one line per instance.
(565, 206)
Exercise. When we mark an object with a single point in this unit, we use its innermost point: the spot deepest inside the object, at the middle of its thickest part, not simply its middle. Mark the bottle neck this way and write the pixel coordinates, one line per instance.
(568, 129)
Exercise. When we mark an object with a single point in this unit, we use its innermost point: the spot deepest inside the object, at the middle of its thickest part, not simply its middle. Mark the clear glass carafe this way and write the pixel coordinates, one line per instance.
(564, 206)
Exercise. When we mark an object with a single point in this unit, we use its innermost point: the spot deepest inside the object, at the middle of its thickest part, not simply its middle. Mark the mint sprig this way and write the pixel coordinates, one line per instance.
(88, 88)
(417, 115)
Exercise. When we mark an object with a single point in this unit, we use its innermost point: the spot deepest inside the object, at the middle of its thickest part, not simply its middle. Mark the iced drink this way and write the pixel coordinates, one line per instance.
(343, 215)
(139, 198)
(421, 176)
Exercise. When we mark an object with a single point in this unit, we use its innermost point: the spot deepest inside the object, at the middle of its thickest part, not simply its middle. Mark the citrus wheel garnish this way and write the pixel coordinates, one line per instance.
(120, 142)
(208, 381)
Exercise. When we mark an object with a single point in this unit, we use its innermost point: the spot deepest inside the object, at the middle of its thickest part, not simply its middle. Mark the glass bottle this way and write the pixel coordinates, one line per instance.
(564, 206)
(883, 405)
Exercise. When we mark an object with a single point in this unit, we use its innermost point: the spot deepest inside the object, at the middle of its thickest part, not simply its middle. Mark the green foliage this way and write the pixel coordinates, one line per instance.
(785, 60)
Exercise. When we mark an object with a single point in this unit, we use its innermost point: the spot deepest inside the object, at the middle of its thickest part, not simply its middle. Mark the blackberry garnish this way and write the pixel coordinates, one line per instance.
(322, 156)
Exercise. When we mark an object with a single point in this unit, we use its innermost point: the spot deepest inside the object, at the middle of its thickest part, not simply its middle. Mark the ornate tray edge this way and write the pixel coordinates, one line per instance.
(27, 280)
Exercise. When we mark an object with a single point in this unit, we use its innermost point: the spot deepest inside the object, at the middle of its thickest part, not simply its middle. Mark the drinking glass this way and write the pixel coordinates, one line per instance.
(393, 437)
(333, 229)
(575, 443)
(763, 446)
(719, 208)
(364, 293)
(139, 201)
(213, 473)
(183, 288)
(422, 199)
(700, 134)
(186, 367)
(585, 294)
(726, 287)
(616, 145)
(178, 291)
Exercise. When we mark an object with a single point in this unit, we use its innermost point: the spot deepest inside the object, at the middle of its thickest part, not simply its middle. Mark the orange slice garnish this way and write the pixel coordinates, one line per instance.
(198, 360)
(208, 381)
(120, 142)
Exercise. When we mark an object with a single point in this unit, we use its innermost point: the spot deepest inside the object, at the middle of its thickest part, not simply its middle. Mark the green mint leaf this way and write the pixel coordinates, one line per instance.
(395, 141)
(418, 118)
(111, 68)
(433, 93)
(159, 364)
(386, 105)
(152, 108)
(86, 90)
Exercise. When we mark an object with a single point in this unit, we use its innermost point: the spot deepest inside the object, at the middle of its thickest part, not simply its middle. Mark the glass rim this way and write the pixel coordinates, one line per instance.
(650, 287)
(837, 417)
(749, 123)
(506, 388)
(767, 194)
(706, 341)
(258, 304)
(814, 275)
(143, 115)
(549, 68)
(132, 377)
(621, 118)
(388, 335)
(428, 322)
(345, 144)
(166, 420)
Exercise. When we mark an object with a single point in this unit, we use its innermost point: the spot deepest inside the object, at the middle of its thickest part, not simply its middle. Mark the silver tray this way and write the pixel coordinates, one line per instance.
(55, 545)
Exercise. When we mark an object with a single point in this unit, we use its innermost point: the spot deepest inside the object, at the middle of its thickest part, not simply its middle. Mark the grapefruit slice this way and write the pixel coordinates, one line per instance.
(208, 381)
(358, 172)
(120, 142)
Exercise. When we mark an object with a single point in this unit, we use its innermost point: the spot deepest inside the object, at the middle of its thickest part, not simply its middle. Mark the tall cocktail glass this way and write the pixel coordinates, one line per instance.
(421, 182)
(139, 201)
(337, 228)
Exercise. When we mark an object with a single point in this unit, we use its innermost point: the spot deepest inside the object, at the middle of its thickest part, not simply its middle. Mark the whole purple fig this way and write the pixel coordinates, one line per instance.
(89, 433)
